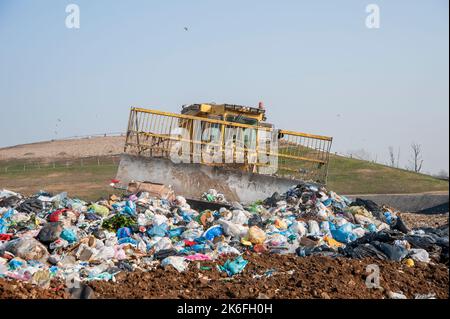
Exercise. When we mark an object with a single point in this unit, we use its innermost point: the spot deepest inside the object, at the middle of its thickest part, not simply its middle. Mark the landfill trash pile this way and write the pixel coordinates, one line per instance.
(46, 236)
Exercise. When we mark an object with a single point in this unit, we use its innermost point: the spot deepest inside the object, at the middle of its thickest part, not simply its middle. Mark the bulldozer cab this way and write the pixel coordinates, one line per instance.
(227, 112)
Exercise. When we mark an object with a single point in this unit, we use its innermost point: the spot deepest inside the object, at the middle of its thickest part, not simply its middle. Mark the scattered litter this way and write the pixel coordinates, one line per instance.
(49, 236)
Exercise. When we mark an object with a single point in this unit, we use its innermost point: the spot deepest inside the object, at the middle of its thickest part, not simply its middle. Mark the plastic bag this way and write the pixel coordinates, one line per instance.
(225, 249)
(298, 228)
(213, 232)
(123, 232)
(162, 244)
(99, 210)
(179, 263)
(69, 235)
(256, 235)
(191, 234)
(232, 229)
(27, 248)
(313, 228)
(157, 230)
(234, 267)
(239, 217)
(342, 234)
(393, 252)
(419, 255)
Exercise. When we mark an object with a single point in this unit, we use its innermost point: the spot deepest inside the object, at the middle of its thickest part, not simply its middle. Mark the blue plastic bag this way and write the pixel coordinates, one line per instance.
(128, 211)
(388, 217)
(69, 235)
(343, 235)
(15, 264)
(176, 232)
(8, 214)
(199, 248)
(123, 232)
(3, 227)
(331, 226)
(212, 232)
(372, 228)
(234, 267)
(186, 217)
(157, 231)
(4, 224)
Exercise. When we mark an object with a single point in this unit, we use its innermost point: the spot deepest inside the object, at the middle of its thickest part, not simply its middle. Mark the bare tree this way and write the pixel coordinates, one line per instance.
(394, 160)
(416, 160)
(391, 156)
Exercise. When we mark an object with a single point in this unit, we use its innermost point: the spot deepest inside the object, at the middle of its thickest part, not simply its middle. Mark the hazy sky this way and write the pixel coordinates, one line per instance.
(315, 65)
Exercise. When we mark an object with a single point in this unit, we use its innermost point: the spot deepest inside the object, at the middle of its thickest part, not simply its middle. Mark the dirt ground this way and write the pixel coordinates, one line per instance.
(266, 276)
(85, 147)
(422, 220)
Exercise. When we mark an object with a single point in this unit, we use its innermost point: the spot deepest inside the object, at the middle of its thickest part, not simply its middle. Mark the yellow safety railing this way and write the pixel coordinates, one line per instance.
(259, 149)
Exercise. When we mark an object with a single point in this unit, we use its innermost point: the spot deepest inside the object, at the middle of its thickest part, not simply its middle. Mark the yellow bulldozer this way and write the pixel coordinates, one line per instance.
(227, 147)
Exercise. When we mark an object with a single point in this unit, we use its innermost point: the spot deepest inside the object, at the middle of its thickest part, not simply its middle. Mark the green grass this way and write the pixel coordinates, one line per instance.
(91, 181)
(352, 176)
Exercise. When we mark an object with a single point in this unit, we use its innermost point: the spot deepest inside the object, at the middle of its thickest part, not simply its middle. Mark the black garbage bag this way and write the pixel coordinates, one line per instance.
(31, 205)
(424, 241)
(433, 240)
(124, 265)
(272, 200)
(50, 232)
(10, 201)
(400, 225)
(364, 251)
(164, 253)
(317, 250)
(384, 236)
(440, 234)
(393, 252)
(255, 220)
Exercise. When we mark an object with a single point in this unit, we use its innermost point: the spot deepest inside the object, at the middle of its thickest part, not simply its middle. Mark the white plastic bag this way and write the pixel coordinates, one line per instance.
(313, 228)
(179, 263)
(420, 255)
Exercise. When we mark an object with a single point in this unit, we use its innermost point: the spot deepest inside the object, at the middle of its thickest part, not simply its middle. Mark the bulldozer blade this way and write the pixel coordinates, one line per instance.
(192, 180)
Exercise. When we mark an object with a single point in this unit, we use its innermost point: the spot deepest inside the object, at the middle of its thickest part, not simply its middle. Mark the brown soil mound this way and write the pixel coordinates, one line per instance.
(292, 277)
(12, 289)
(83, 147)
